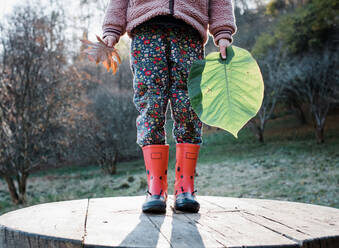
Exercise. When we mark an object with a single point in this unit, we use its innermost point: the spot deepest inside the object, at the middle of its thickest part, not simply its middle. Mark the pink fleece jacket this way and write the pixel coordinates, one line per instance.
(216, 16)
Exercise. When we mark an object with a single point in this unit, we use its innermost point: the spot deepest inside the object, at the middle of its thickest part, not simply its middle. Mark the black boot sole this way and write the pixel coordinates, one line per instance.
(154, 207)
(189, 206)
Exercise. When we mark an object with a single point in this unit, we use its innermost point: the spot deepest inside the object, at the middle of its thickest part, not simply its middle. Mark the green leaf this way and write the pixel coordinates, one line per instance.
(226, 93)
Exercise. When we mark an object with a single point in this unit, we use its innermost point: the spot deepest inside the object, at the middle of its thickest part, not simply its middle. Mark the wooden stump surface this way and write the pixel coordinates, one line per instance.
(221, 222)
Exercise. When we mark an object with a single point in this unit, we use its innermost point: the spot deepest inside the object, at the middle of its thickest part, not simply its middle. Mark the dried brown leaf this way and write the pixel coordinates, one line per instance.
(99, 52)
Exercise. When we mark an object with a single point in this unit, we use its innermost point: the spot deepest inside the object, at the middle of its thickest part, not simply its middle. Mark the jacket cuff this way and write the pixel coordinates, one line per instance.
(223, 35)
(110, 30)
(222, 32)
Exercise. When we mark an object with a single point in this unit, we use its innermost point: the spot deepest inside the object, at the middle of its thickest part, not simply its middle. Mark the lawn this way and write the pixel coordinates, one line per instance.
(289, 166)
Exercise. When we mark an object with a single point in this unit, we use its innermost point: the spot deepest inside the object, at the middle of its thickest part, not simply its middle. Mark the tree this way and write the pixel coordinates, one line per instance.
(96, 133)
(273, 69)
(309, 27)
(33, 93)
(114, 136)
(278, 7)
(315, 79)
(299, 32)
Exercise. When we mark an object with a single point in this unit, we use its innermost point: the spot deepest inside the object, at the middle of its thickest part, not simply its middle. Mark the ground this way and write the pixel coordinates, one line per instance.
(290, 166)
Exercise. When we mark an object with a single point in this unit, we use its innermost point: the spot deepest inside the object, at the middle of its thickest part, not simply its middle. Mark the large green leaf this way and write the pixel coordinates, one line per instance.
(226, 93)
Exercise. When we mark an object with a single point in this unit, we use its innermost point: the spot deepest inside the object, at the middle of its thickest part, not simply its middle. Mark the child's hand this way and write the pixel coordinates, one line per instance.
(223, 43)
(110, 41)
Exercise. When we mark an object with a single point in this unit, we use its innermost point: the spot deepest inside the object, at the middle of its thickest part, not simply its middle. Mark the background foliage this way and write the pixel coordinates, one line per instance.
(67, 126)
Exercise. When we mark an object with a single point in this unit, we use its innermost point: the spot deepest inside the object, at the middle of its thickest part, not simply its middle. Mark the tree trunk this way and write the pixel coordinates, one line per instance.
(22, 198)
(108, 163)
(260, 135)
(319, 133)
(300, 114)
(261, 129)
(113, 167)
(258, 130)
(12, 189)
(297, 109)
(22, 182)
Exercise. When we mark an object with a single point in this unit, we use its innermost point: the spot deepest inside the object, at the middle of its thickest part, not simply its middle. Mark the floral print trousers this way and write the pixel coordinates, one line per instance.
(160, 60)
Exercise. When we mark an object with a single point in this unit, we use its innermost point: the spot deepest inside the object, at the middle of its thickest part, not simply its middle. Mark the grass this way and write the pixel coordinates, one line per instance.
(289, 166)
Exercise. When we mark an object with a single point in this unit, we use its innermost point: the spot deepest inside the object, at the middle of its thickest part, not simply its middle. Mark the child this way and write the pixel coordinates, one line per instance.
(167, 36)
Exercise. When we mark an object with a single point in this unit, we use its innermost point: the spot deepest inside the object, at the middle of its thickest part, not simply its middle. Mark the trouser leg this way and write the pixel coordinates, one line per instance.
(150, 84)
(186, 45)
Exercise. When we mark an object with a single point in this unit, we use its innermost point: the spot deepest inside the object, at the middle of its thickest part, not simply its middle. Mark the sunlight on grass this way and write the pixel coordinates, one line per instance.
(285, 168)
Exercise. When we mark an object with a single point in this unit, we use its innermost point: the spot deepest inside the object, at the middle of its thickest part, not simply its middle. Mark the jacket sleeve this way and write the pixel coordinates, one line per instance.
(114, 23)
(221, 20)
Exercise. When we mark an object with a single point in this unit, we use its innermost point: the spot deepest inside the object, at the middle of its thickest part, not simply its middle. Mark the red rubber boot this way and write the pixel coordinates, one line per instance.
(156, 163)
(186, 161)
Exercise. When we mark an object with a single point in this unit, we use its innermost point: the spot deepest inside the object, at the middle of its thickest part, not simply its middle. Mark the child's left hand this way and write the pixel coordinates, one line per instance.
(223, 43)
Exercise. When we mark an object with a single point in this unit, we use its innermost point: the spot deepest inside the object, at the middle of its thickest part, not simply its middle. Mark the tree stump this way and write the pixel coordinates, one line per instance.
(221, 222)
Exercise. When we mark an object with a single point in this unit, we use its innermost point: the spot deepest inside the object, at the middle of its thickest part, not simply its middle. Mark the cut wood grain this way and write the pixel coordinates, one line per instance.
(221, 222)
(56, 224)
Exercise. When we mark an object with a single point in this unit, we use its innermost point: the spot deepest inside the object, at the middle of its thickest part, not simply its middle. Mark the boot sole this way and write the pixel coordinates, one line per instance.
(154, 207)
(187, 207)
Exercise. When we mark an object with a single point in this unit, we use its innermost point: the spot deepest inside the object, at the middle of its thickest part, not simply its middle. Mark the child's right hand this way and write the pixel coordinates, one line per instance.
(110, 41)
(223, 44)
